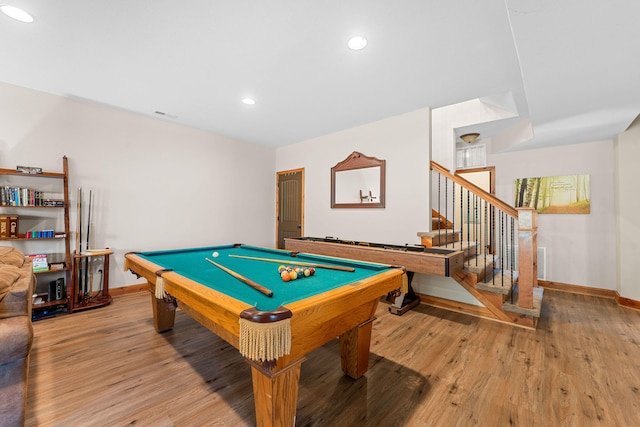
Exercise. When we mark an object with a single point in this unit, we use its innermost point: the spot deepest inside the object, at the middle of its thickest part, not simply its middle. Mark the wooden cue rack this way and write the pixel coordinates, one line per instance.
(92, 299)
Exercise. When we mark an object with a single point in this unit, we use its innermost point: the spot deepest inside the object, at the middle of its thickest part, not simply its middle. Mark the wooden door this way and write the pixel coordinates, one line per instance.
(289, 205)
(484, 178)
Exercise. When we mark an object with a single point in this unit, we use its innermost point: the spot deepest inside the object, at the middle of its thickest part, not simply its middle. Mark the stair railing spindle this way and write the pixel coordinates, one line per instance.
(492, 235)
(439, 211)
(468, 218)
(484, 235)
(475, 225)
(502, 247)
(461, 213)
(453, 212)
(513, 249)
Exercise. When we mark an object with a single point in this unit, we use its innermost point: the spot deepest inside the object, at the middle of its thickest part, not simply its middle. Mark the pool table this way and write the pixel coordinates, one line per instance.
(273, 333)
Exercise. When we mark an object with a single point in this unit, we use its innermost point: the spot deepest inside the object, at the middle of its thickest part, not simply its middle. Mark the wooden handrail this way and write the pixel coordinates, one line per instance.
(527, 237)
(493, 200)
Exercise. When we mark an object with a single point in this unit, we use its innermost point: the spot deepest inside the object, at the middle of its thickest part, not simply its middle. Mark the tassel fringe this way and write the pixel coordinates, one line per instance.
(263, 342)
(159, 287)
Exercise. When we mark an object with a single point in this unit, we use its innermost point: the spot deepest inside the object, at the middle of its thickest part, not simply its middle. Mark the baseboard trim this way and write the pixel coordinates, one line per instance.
(596, 292)
(577, 289)
(131, 289)
(628, 303)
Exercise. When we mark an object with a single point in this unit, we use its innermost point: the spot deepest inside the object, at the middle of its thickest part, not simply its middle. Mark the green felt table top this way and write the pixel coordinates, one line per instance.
(192, 264)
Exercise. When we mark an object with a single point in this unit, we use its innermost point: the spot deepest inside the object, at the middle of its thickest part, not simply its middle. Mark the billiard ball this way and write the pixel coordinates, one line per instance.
(215, 254)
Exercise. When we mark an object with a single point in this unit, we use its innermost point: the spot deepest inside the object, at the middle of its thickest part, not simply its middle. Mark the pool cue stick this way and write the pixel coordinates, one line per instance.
(306, 264)
(79, 242)
(86, 260)
(243, 279)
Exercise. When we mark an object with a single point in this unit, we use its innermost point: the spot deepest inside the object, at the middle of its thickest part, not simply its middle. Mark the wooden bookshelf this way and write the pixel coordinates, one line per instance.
(59, 243)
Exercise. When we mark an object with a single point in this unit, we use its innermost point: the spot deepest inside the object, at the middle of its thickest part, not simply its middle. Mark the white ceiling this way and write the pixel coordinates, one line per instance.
(571, 66)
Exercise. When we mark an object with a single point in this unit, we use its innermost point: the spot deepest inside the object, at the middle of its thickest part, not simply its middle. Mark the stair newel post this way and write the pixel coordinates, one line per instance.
(527, 255)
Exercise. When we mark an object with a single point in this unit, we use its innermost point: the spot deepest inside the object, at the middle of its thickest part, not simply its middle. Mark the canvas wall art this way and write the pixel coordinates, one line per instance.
(567, 194)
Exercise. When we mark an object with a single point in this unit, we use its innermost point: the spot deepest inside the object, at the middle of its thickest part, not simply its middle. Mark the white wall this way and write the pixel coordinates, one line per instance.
(160, 185)
(403, 141)
(155, 184)
(627, 152)
(580, 248)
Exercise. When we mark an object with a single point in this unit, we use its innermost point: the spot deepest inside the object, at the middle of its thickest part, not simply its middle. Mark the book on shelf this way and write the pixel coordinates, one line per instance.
(13, 225)
(19, 196)
(54, 266)
(9, 225)
(40, 234)
(39, 262)
(4, 226)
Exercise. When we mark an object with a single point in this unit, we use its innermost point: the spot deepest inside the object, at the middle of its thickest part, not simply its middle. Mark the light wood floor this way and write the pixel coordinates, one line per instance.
(429, 367)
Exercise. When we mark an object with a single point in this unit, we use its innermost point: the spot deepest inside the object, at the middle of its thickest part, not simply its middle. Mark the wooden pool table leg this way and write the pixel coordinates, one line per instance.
(354, 349)
(164, 314)
(275, 394)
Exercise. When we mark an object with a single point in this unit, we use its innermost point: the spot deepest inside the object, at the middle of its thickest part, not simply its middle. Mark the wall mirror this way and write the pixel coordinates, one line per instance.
(358, 182)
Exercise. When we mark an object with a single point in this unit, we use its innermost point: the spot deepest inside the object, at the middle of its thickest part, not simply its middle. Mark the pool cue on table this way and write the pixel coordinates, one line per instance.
(243, 279)
(306, 264)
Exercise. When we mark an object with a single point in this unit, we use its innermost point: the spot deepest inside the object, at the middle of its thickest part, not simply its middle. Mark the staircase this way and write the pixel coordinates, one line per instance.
(499, 244)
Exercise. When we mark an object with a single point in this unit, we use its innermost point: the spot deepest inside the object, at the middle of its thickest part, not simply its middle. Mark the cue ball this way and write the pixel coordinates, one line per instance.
(215, 254)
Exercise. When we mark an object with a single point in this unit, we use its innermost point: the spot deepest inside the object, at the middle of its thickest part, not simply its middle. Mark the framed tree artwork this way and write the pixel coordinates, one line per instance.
(567, 194)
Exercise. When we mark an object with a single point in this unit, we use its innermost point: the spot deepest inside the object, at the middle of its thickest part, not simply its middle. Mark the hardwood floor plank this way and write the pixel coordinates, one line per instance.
(429, 367)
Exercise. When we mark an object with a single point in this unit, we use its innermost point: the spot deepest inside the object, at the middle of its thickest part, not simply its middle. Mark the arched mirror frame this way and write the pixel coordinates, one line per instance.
(355, 161)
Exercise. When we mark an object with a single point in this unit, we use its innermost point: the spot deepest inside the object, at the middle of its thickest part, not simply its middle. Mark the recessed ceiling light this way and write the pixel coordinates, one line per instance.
(16, 13)
(248, 101)
(357, 43)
